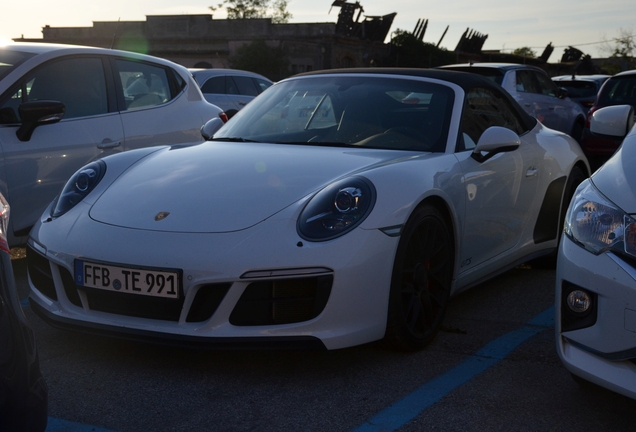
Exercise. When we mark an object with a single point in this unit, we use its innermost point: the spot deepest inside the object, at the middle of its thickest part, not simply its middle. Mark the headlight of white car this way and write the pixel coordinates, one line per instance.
(337, 209)
(599, 225)
(78, 186)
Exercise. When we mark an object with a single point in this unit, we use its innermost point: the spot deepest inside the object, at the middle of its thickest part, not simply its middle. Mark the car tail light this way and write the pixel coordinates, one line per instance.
(224, 117)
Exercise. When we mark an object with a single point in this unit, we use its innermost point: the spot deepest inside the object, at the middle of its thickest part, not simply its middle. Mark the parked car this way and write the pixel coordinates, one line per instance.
(535, 92)
(596, 271)
(63, 106)
(230, 89)
(618, 90)
(581, 88)
(23, 392)
(338, 208)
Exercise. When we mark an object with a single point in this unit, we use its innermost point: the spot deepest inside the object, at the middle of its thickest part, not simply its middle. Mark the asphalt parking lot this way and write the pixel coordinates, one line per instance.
(493, 367)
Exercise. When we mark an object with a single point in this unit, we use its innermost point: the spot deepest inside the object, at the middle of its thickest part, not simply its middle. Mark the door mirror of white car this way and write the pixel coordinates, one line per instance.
(211, 127)
(495, 139)
(613, 122)
(38, 113)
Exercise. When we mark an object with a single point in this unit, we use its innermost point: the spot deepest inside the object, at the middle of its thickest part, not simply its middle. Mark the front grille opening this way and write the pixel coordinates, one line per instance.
(206, 301)
(40, 273)
(283, 301)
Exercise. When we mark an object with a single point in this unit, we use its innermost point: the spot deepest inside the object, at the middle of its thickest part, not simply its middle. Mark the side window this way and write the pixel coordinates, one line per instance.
(484, 108)
(261, 84)
(548, 88)
(78, 83)
(144, 85)
(215, 85)
(526, 82)
(245, 86)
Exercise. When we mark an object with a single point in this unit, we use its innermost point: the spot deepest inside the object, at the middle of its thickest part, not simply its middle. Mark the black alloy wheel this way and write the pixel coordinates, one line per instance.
(421, 281)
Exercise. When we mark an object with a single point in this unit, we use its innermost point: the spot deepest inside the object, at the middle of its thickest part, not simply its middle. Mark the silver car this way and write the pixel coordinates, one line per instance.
(535, 92)
(63, 106)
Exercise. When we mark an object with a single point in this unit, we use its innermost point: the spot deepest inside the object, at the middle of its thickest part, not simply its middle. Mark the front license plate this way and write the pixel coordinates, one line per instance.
(127, 280)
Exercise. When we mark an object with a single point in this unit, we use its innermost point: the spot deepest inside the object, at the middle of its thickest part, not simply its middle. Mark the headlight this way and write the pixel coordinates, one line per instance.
(79, 185)
(337, 209)
(597, 224)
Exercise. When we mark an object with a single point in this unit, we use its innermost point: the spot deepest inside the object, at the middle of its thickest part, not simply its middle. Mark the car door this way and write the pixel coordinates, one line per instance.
(539, 97)
(153, 106)
(499, 192)
(36, 170)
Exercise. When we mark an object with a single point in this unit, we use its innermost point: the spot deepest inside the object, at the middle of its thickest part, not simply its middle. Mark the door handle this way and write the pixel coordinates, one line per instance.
(108, 144)
(532, 171)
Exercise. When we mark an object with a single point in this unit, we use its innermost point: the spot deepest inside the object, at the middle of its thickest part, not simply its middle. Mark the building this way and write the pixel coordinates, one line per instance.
(201, 41)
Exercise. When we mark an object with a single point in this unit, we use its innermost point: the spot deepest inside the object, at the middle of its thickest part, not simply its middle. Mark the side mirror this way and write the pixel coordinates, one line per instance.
(38, 113)
(612, 122)
(495, 139)
(211, 127)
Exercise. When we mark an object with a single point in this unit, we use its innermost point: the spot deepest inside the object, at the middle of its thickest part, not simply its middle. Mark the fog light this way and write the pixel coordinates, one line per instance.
(579, 301)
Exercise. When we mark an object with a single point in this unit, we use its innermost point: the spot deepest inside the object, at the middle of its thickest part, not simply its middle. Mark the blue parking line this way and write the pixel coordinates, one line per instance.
(405, 410)
(56, 425)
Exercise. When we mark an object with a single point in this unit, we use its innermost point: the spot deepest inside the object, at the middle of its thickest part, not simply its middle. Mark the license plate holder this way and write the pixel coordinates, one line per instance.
(163, 283)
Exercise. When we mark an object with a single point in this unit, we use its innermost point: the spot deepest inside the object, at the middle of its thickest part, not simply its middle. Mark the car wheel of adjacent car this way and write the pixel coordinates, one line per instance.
(421, 280)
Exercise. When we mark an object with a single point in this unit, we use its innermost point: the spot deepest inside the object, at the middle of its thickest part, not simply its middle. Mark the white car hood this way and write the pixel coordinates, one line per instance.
(616, 179)
(223, 187)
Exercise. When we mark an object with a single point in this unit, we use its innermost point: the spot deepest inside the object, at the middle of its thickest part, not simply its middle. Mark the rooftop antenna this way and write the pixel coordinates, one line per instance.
(112, 44)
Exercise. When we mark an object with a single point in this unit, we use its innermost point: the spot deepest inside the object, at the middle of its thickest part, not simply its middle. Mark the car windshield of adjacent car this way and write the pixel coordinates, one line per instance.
(348, 110)
(9, 60)
(619, 90)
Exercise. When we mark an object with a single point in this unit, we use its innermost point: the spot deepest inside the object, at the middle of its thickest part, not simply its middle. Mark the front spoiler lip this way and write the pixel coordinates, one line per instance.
(183, 341)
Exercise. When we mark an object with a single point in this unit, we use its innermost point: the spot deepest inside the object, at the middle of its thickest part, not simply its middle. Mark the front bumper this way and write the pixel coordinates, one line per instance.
(334, 294)
(601, 348)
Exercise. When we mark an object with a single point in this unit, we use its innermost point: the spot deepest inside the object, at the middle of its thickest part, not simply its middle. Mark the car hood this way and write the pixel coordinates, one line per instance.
(616, 179)
(224, 187)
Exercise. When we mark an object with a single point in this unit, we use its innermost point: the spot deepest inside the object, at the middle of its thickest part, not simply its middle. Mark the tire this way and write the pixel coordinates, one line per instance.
(421, 281)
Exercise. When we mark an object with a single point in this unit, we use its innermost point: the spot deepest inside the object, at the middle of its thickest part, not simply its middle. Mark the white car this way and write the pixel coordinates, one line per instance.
(535, 92)
(230, 89)
(596, 268)
(335, 209)
(63, 106)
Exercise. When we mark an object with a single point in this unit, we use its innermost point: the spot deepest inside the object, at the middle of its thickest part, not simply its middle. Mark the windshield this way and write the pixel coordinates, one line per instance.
(347, 110)
(619, 90)
(10, 60)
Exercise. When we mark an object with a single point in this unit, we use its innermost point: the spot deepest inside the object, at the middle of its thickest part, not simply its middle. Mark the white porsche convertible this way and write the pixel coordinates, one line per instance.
(337, 208)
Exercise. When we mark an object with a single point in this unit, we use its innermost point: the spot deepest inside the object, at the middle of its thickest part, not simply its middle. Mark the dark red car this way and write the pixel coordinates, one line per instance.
(617, 90)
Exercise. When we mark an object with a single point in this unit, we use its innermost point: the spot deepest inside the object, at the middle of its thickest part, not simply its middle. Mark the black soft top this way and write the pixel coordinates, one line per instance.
(465, 80)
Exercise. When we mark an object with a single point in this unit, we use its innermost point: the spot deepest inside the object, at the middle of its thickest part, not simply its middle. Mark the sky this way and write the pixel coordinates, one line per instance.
(591, 27)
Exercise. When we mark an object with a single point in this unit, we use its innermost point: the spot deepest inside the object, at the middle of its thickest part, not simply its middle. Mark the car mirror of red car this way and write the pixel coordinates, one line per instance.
(612, 122)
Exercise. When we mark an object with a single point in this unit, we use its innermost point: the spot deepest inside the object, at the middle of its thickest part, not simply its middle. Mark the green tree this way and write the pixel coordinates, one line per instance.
(247, 9)
(525, 52)
(260, 58)
(408, 51)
